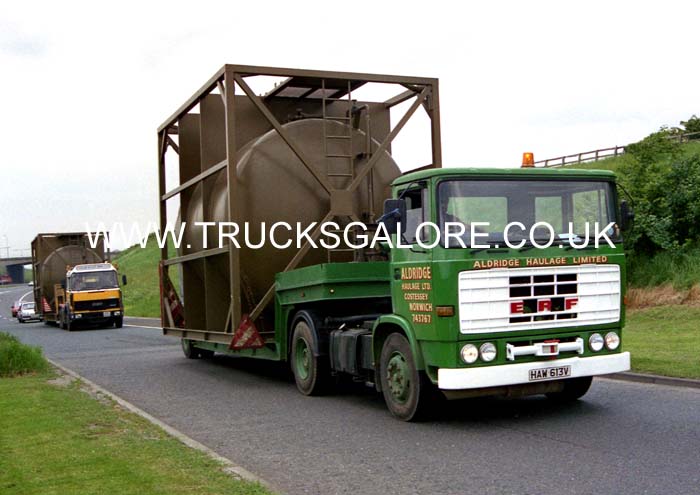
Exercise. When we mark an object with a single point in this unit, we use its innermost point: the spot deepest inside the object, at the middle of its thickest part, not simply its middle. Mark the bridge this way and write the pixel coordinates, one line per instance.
(15, 267)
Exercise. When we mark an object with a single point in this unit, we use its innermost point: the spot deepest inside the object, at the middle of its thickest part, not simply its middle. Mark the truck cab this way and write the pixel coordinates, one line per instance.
(504, 305)
(91, 294)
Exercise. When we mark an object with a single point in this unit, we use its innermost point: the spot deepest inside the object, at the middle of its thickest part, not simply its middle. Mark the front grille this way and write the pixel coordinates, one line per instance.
(535, 291)
(509, 299)
(97, 305)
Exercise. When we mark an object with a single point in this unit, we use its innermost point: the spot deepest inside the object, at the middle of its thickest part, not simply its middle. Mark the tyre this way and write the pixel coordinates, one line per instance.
(118, 322)
(408, 393)
(574, 389)
(205, 353)
(20, 320)
(311, 372)
(189, 350)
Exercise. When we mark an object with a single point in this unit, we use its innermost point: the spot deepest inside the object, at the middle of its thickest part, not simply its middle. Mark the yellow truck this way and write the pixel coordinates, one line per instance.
(74, 283)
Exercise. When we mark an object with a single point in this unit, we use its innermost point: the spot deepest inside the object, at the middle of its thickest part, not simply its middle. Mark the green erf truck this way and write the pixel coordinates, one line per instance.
(443, 282)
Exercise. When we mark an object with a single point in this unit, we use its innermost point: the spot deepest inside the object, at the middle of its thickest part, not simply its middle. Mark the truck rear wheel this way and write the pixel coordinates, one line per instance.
(574, 388)
(311, 372)
(407, 391)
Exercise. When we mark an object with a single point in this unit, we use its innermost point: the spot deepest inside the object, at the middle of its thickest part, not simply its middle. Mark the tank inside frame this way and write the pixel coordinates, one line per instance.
(273, 186)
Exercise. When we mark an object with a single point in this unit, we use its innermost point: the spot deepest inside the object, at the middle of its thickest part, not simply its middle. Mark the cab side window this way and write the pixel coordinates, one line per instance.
(415, 212)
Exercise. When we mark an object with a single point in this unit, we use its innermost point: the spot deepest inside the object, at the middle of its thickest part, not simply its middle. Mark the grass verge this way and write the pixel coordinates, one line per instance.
(57, 439)
(664, 340)
(17, 358)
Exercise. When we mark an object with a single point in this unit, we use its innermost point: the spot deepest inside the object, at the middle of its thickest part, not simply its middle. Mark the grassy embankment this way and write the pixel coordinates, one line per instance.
(57, 439)
(140, 265)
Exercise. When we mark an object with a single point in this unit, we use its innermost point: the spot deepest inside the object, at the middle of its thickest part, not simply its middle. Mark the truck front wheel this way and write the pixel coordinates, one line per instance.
(574, 388)
(311, 373)
(118, 322)
(407, 391)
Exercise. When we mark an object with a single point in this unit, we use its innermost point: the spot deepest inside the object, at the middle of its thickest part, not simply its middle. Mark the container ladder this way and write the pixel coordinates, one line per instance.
(328, 138)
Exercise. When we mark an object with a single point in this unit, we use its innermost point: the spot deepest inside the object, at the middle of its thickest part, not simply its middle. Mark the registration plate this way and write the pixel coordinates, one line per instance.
(106, 314)
(550, 373)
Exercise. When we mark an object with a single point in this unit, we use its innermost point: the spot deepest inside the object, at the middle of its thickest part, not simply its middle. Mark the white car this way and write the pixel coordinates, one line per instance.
(27, 312)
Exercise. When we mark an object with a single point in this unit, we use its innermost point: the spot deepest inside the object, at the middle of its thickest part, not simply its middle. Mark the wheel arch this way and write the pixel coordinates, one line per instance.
(313, 321)
(385, 326)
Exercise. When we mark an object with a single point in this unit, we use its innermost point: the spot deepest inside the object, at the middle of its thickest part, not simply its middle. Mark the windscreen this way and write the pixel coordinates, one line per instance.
(501, 202)
(93, 281)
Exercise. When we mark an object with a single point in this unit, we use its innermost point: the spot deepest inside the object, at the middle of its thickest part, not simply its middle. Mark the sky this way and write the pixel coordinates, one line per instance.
(85, 85)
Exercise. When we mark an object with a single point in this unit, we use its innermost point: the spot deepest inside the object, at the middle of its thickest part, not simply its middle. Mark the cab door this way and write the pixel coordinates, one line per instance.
(412, 263)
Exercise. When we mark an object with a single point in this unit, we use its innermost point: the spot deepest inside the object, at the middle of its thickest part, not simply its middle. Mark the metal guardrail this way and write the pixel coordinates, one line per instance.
(600, 154)
(684, 138)
(586, 156)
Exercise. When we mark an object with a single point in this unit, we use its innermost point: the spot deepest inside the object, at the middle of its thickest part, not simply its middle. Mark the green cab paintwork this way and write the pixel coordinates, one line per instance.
(440, 340)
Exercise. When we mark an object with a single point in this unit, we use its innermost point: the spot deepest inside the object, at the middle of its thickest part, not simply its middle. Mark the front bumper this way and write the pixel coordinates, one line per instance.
(514, 374)
(95, 315)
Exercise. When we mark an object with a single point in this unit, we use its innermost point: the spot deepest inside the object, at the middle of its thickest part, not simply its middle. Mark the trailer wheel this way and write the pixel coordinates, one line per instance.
(407, 391)
(189, 350)
(311, 372)
(205, 353)
(574, 389)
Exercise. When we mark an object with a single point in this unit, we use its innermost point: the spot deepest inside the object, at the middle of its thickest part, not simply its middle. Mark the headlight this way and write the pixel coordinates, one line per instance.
(79, 315)
(469, 353)
(595, 342)
(487, 351)
(612, 341)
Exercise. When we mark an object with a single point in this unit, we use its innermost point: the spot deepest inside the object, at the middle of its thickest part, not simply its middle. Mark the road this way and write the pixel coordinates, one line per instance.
(621, 438)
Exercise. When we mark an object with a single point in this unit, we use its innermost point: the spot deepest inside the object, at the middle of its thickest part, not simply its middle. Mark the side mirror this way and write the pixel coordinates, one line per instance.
(626, 215)
(123, 279)
(394, 213)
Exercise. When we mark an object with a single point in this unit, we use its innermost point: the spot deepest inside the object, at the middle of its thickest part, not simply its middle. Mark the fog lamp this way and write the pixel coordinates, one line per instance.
(596, 342)
(469, 353)
(612, 340)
